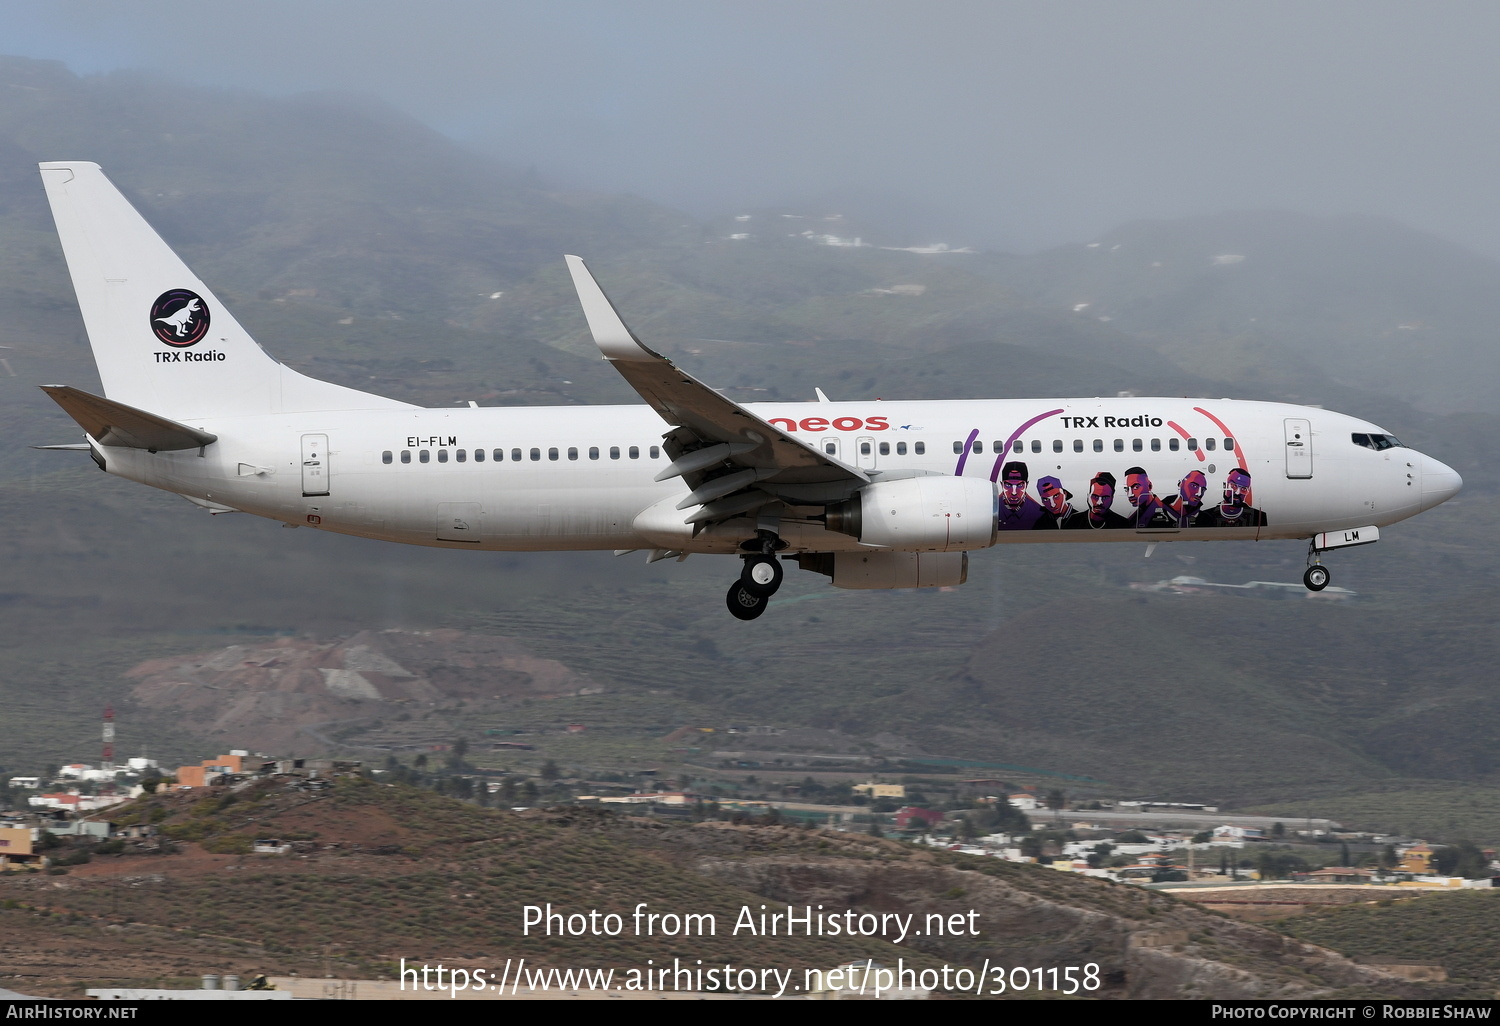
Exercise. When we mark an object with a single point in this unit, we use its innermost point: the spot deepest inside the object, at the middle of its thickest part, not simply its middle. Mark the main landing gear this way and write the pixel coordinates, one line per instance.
(1316, 576)
(760, 577)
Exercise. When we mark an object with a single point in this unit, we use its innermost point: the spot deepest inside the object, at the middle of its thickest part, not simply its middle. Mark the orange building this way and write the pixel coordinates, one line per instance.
(201, 774)
(1416, 859)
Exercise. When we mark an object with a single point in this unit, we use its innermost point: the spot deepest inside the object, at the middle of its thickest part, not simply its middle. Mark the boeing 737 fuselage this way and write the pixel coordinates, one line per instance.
(874, 494)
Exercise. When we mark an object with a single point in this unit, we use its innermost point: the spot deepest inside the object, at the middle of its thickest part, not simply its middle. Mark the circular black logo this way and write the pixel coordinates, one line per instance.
(179, 318)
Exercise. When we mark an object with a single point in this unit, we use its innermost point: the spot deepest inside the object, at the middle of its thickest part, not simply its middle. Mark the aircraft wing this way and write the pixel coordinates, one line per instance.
(719, 443)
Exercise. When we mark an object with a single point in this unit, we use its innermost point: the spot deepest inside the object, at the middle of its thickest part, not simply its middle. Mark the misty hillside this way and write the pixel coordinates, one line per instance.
(363, 247)
(1273, 295)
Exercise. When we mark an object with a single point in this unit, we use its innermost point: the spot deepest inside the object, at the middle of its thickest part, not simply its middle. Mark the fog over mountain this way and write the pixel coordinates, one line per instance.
(360, 243)
(1002, 124)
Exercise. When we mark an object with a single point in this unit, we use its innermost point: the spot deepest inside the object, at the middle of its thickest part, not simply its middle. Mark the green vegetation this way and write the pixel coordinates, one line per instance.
(1459, 931)
(1437, 811)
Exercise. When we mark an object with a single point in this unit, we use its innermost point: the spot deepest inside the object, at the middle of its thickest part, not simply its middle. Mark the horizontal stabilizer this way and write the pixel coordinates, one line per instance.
(70, 447)
(112, 423)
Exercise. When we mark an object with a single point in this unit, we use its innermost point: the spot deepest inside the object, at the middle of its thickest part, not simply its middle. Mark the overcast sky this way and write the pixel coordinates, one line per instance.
(1016, 125)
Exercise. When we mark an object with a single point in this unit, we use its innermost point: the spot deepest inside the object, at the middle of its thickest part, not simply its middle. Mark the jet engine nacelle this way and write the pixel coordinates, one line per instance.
(876, 569)
(934, 513)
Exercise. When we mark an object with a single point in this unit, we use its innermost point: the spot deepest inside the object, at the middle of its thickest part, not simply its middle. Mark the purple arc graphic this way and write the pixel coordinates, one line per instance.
(1017, 433)
(964, 456)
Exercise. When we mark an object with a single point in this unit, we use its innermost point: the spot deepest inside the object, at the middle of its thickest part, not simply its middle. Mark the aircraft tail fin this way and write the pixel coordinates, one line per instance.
(161, 338)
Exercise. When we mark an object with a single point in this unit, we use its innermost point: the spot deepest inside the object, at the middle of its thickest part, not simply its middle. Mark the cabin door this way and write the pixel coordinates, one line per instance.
(314, 464)
(1299, 456)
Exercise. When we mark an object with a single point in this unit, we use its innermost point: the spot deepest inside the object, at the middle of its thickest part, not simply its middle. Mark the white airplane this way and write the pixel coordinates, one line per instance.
(873, 494)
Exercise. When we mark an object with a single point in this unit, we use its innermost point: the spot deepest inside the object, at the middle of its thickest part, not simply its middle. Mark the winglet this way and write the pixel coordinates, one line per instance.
(611, 335)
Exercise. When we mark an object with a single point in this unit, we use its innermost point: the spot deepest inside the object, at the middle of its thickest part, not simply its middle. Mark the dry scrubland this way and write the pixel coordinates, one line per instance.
(385, 872)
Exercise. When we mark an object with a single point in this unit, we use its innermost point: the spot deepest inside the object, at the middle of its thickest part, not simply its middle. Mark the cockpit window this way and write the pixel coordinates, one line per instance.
(1376, 442)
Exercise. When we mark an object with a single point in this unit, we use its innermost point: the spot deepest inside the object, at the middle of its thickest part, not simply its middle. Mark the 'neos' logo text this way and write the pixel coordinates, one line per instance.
(836, 424)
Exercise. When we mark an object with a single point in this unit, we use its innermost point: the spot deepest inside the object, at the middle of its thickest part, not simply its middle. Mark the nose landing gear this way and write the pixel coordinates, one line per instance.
(1316, 576)
(760, 577)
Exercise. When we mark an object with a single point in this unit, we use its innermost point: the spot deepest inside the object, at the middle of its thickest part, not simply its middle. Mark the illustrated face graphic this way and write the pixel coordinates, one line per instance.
(1192, 487)
(1101, 497)
(1138, 489)
(1053, 496)
(1013, 485)
(1237, 488)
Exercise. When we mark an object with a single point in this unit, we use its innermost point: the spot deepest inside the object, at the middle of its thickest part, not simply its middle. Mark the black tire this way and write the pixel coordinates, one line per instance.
(761, 575)
(743, 603)
(1316, 578)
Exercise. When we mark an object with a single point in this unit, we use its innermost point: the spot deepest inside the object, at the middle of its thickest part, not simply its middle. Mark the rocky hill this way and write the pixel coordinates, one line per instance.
(275, 696)
(381, 872)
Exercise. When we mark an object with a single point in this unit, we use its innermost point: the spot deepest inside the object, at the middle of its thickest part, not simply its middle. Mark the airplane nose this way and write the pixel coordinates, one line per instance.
(1440, 482)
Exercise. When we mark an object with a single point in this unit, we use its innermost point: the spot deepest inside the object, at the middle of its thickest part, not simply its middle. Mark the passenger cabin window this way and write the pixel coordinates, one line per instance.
(997, 446)
(1174, 444)
(385, 457)
(1210, 444)
(1156, 445)
(900, 448)
(1078, 445)
(462, 455)
(572, 452)
(958, 447)
(865, 449)
(593, 452)
(442, 455)
(1036, 445)
(614, 452)
(536, 455)
(1119, 445)
(1057, 445)
(635, 452)
(515, 455)
(919, 448)
(1135, 445)
(405, 455)
(656, 452)
(478, 455)
(1229, 445)
(1018, 446)
(828, 447)
(885, 448)
(424, 456)
(1098, 445)
(552, 453)
(1192, 445)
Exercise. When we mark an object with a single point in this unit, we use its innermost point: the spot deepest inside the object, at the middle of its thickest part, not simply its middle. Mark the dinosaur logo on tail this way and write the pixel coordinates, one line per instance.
(179, 318)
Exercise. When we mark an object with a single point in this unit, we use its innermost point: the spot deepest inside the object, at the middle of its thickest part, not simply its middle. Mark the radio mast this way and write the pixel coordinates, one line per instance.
(107, 760)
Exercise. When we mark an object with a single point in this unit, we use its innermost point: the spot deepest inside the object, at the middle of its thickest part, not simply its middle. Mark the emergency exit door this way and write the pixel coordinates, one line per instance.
(1299, 456)
(314, 464)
